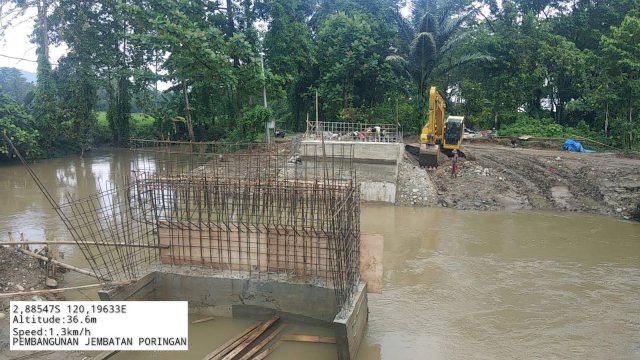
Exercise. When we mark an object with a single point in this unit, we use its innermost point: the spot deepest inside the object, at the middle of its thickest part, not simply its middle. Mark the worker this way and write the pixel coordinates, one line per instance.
(377, 130)
(454, 164)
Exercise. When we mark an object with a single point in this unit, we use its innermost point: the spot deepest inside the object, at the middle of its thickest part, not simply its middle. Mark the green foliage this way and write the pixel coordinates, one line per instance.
(103, 130)
(288, 47)
(430, 45)
(252, 124)
(118, 113)
(19, 127)
(142, 126)
(350, 57)
(15, 85)
(622, 51)
(396, 109)
(543, 67)
(45, 110)
(525, 125)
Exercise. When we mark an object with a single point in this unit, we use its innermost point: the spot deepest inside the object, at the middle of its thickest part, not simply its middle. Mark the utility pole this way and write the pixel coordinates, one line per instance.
(264, 93)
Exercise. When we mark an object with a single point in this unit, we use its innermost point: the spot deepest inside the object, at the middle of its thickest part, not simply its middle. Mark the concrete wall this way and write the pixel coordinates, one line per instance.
(350, 324)
(376, 165)
(378, 191)
(363, 152)
(302, 299)
(256, 298)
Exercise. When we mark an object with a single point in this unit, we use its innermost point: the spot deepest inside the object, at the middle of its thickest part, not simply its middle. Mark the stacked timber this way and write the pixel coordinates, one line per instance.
(247, 346)
(257, 342)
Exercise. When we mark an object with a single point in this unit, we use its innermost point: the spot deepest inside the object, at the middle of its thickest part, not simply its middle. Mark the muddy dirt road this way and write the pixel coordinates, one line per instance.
(502, 177)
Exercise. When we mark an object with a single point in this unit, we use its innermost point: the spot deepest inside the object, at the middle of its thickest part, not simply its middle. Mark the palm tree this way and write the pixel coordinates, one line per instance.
(429, 47)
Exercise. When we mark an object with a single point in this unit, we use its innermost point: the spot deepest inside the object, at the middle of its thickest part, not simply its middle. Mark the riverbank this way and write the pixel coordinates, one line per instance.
(21, 273)
(498, 177)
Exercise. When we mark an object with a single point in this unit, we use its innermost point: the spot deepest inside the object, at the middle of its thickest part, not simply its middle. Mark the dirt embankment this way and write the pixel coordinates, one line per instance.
(18, 273)
(502, 177)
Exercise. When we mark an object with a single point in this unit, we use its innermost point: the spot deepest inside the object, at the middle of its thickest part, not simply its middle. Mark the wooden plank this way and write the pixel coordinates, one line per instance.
(202, 320)
(251, 338)
(371, 253)
(262, 344)
(309, 338)
(267, 351)
(226, 347)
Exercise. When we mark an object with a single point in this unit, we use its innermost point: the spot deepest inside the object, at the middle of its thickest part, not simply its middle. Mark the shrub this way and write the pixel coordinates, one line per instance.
(18, 126)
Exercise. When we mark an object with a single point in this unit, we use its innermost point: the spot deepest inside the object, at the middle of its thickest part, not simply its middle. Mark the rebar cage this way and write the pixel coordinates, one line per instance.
(284, 211)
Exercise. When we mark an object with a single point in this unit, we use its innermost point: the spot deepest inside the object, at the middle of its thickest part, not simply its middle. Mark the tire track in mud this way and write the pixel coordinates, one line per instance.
(549, 177)
(520, 182)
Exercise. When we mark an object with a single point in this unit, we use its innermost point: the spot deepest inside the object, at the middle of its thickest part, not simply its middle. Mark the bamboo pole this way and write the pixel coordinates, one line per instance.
(67, 242)
(61, 264)
(55, 291)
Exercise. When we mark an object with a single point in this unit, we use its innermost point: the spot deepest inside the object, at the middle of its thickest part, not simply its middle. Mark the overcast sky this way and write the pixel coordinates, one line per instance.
(16, 44)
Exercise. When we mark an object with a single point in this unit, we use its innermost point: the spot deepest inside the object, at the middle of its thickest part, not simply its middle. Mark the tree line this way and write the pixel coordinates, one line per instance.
(516, 65)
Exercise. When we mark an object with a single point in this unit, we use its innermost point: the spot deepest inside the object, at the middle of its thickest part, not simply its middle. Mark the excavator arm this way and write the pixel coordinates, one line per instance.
(435, 118)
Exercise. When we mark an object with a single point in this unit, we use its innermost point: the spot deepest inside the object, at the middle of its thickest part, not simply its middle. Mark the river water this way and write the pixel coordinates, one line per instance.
(457, 285)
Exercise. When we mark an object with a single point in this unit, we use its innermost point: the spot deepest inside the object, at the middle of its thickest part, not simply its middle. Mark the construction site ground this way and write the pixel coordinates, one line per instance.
(498, 177)
(542, 176)
(19, 272)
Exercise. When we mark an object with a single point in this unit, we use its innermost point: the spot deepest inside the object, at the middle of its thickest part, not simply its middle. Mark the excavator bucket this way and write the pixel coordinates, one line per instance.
(430, 156)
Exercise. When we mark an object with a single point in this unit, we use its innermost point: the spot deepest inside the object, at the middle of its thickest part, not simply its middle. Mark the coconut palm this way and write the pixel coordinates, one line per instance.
(429, 47)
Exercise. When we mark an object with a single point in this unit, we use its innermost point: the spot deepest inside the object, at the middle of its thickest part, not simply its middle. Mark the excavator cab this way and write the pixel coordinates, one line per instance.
(453, 132)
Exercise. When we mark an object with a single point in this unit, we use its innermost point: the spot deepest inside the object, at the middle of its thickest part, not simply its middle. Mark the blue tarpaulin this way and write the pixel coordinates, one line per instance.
(575, 146)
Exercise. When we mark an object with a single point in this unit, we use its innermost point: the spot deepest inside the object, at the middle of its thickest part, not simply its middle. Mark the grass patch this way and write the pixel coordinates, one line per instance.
(141, 127)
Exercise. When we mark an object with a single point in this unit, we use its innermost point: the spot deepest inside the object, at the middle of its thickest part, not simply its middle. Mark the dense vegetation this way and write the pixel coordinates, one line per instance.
(547, 67)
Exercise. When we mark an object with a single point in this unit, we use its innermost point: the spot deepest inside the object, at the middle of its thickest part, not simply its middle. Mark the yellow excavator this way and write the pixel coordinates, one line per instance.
(438, 136)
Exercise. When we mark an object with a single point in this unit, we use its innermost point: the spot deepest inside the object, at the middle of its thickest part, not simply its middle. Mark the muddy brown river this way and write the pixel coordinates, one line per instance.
(457, 284)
